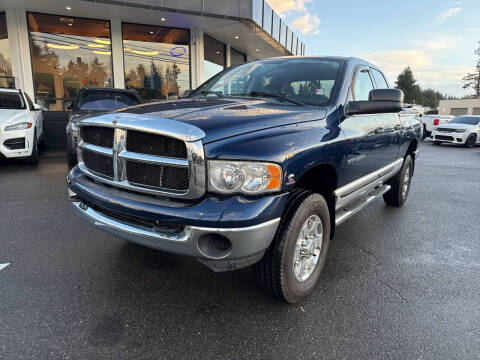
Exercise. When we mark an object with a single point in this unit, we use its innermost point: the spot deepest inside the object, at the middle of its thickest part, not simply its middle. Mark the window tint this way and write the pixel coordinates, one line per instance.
(465, 120)
(362, 87)
(105, 100)
(11, 101)
(29, 101)
(379, 79)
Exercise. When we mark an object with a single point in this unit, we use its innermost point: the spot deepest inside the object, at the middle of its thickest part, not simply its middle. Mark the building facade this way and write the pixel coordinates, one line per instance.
(53, 48)
(459, 107)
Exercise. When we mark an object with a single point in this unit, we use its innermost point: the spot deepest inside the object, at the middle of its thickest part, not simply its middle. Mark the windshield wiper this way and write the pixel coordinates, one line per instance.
(275, 95)
(206, 92)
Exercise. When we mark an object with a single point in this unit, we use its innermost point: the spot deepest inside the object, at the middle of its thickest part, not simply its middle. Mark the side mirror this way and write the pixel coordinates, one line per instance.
(187, 93)
(68, 104)
(380, 101)
(37, 107)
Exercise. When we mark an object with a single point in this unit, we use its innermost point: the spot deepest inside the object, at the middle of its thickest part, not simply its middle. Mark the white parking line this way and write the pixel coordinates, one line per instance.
(3, 266)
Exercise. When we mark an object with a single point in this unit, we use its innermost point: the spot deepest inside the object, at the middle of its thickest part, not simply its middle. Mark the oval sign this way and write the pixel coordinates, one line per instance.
(178, 51)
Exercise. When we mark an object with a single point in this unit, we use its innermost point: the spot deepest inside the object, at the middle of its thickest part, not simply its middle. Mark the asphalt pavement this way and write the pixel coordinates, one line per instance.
(400, 283)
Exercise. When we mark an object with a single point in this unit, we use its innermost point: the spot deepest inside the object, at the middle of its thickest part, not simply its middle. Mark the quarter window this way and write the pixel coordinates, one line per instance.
(362, 86)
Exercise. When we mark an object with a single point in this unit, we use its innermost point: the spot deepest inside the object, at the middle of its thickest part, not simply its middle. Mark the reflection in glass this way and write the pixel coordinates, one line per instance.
(157, 60)
(68, 54)
(6, 79)
(214, 56)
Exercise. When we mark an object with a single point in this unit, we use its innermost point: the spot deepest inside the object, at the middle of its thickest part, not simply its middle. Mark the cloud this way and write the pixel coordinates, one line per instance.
(308, 24)
(446, 14)
(283, 6)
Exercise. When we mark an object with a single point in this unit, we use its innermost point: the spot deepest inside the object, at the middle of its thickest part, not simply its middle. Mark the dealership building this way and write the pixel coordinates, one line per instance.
(53, 48)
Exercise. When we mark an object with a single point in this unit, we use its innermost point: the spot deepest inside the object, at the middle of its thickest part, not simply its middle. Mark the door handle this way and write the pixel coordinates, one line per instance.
(390, 130)
(398, 127)
(379, 130)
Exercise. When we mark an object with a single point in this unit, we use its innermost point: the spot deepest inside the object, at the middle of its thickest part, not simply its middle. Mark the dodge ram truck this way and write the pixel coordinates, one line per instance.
(257, 166)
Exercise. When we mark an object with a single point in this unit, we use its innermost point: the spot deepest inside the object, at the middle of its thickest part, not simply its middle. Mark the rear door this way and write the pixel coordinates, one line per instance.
(364, 133)
(391, 123)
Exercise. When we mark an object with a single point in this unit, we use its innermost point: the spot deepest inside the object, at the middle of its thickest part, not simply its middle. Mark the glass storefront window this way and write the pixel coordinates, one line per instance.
(236, 57)
(68, 53)
(214, 56)
(157, 60)
(6, 79)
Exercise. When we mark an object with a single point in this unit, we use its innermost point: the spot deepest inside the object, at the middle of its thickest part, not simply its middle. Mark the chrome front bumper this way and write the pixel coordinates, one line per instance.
(246, 245)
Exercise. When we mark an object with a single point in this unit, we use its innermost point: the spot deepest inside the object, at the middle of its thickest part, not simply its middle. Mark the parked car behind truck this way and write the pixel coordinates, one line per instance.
(258, 166)
(91, 101)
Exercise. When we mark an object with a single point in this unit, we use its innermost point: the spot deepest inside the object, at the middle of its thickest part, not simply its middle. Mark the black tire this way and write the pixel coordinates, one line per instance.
(471, 141)
(436, 143)
(275, 271)
(34, 157)
(397, 195)
(425, 133)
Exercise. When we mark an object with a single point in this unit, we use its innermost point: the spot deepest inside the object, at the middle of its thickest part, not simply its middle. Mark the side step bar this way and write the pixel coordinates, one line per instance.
(345, 213)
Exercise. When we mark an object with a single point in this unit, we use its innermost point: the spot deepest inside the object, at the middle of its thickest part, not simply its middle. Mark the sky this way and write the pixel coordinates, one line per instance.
(436, 38)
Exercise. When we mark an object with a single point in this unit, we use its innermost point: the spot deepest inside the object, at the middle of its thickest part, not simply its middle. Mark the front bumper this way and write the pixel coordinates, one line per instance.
(223, 233)
(10, 151)
(450, 137)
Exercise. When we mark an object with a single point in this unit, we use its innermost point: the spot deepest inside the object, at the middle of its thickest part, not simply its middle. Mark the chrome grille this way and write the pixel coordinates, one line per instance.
(99, 136)
(153, 144)
(147, 161)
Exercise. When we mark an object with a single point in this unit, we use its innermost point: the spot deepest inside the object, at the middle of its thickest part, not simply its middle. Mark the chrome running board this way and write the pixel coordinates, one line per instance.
(349, 210)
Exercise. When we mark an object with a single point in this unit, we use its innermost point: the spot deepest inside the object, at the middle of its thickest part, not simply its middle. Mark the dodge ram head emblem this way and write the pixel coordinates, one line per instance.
(115, 120)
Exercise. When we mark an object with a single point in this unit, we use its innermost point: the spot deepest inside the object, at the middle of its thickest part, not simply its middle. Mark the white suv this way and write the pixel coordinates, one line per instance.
(462, 130)
(21, 126)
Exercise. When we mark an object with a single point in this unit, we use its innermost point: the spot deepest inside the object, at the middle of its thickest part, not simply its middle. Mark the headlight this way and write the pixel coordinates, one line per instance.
(460, 130)
(251, 178)
(19, 126)
(74, 120)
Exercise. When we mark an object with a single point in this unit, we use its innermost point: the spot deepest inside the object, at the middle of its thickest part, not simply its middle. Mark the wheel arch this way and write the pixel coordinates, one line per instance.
(321, 179)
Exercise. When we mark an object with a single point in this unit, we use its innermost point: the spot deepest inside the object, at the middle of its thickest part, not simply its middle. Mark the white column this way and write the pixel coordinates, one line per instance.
(196, 51)
(19, 47)
(228, 61)
(117, 54)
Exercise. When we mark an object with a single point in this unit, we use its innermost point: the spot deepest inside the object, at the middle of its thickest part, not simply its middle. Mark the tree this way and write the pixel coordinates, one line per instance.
(408, 84)
(472, 80)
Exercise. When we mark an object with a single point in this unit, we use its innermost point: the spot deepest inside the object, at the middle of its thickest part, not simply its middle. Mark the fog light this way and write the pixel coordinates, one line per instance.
(214, 246)
(459, 140)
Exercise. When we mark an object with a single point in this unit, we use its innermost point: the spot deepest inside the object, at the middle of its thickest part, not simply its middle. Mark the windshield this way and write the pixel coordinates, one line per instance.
(11, 100)
(308, 81)
(469, 120)
(105, 100)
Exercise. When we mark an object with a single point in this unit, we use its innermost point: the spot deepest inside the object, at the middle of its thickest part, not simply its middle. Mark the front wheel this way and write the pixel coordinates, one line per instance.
(471, 141)
(294, 261)
(400, 184)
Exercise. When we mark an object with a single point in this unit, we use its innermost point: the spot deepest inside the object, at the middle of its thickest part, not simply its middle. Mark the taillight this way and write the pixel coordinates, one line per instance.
(436, 122)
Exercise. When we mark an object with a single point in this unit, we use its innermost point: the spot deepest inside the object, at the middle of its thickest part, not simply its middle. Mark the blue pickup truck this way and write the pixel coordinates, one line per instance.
(256, 166)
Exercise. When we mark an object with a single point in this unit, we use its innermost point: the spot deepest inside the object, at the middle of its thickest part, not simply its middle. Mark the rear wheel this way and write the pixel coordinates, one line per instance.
(400, 184)
(294, 261)
(34, 157)
(471, 141)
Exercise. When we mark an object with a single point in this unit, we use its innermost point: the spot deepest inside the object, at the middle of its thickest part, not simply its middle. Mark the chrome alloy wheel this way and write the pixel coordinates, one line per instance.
(406, 182)
(307, 248)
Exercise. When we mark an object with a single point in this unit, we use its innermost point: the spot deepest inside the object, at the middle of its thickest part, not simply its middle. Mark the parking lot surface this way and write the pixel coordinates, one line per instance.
(400, 283)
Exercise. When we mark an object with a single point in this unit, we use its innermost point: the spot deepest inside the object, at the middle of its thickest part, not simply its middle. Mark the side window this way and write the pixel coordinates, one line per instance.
(29, 101)
(362, 86)
(379, 79)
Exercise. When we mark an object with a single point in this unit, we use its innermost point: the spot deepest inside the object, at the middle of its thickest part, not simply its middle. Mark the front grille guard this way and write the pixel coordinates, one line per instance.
(192, 135)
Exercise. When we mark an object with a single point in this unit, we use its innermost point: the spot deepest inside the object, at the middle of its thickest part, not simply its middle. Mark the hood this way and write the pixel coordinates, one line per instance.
(222, 118)
(455, 126)
(12, 116)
